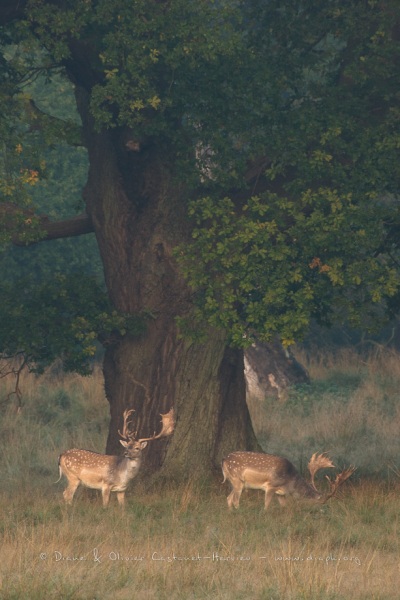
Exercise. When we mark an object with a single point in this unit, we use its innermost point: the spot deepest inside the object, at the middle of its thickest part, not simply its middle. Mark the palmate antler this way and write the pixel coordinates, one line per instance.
(317, 462)
(340, 478)
(168, 425)
(126, 433)
(167, 428)
(322, 461)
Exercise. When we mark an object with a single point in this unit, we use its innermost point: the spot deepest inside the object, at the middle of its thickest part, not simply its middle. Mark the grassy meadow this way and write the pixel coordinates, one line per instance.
(182, 543)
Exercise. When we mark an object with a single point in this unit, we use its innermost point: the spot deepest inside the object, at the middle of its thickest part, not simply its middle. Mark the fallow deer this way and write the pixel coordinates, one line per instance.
(109, 473)
(277, 476)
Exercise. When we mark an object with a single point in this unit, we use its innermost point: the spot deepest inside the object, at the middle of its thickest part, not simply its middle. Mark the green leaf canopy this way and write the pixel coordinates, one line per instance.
(280, 120)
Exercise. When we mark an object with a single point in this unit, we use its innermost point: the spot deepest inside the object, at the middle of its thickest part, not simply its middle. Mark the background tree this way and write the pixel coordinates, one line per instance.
(243, 178)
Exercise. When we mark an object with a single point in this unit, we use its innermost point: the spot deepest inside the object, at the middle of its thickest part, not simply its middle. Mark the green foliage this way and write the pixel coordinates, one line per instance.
(320, 242)
(304, 93)
(146, 53)
(48, 291)
(63, 317)
(164, 71)
(271, 266)
(29, 134)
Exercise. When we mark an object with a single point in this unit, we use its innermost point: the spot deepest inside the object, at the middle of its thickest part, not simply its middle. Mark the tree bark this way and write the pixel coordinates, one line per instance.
(205, 385)
(139, 217)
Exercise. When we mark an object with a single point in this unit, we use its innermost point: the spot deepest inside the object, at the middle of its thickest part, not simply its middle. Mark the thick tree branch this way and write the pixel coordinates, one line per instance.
(55, 230)
(73, 227)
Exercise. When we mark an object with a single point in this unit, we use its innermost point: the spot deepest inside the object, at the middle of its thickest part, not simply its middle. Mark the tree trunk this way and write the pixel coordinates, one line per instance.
(270, 370)
(205, 385)
(139, 217)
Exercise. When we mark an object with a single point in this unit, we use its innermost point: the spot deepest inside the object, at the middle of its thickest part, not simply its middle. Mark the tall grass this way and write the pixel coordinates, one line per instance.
(183, 543)
(351, 408)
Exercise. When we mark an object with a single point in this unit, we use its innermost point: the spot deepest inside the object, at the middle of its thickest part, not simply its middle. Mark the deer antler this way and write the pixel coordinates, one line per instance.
(168, 425)
(317, 462)
(126, 433)
(340, 478)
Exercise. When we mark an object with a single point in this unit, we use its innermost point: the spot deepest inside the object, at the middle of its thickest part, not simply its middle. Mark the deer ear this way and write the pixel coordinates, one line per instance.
(143, 445)
(125, 444)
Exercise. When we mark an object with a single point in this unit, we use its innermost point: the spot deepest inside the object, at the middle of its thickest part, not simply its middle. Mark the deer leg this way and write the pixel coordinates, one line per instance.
(234, 496)
(121, 498)
(268, 497)
(281, 499)
(69, 492)
(105, 492)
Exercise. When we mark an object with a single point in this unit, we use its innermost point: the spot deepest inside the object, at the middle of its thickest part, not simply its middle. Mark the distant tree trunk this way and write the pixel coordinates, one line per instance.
(271, 370)
(139, 217)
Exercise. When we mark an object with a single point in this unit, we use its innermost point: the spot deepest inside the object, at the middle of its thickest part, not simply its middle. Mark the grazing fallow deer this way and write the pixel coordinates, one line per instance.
(109, 473)
(277, 475)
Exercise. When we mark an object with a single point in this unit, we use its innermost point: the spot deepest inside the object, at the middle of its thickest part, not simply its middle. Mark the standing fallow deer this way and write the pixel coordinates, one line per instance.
(277, 475)
(109, 473)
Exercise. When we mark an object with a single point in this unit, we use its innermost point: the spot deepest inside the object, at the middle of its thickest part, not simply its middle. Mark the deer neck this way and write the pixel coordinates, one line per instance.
(304, 489)
(124, 463)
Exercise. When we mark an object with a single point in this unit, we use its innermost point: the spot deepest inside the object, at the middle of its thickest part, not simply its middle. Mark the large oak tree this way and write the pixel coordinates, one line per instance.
(243, 179)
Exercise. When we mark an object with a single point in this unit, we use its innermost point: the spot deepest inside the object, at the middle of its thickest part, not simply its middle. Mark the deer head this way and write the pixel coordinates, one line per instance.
(277, 476)
(109, 473)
